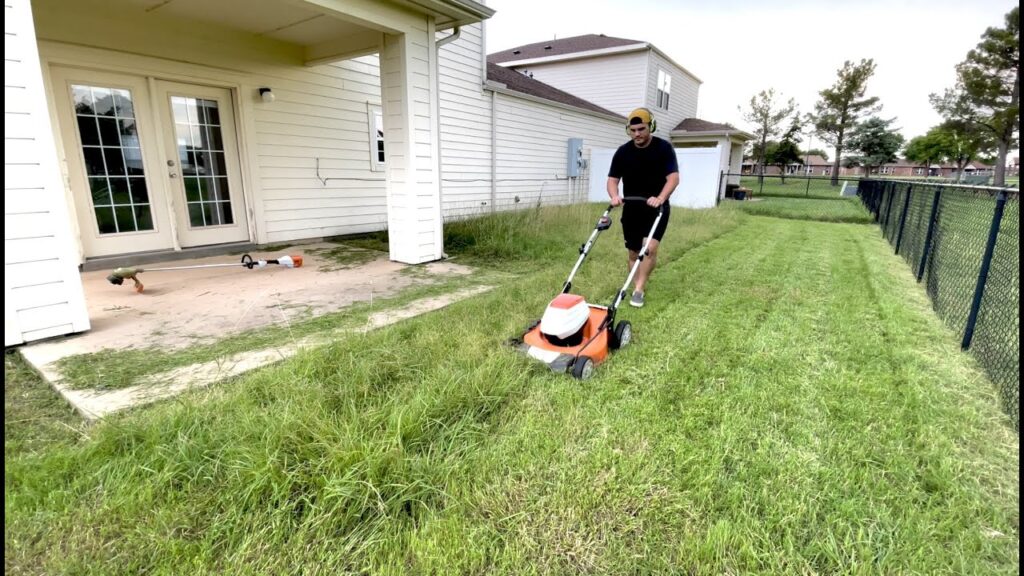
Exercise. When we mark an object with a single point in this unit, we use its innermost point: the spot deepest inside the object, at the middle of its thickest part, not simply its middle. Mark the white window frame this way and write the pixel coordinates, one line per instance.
(375, 118)
(664, 88)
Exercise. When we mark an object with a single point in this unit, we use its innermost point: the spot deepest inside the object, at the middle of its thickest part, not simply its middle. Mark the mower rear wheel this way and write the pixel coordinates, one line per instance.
(583, 368)
(623, 334)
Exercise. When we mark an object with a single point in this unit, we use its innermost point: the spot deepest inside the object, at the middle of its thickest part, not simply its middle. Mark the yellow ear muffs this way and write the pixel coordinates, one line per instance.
(644, 115)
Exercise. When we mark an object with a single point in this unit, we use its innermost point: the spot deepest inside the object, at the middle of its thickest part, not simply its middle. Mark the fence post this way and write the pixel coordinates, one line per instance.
(931, 232)
(760, 191)
(876, 199)
(888, 206)
(721, 187)
(807, 192)
(986, 264)
(903, 217)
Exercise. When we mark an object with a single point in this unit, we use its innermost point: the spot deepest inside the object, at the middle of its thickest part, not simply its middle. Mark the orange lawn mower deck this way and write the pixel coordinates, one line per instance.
(573, 336)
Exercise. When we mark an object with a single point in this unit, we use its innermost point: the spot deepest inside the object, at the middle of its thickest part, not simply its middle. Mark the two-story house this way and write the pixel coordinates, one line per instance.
(622, 74)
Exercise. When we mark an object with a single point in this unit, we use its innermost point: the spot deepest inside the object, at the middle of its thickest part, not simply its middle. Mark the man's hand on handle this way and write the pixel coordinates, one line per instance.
(655, 201)
(616, 200)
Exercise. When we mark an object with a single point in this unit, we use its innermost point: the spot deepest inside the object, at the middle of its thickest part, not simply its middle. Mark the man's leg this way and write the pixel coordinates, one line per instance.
(646, 267)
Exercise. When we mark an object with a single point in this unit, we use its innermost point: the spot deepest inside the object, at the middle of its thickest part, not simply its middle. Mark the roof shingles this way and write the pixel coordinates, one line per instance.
(698, 125)
(561, 47)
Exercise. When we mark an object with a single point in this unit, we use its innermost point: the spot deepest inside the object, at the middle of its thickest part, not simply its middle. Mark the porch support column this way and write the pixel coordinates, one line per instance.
(408, 90)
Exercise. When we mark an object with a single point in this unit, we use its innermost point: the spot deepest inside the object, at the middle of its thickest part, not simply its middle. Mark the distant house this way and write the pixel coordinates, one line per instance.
(811, 165)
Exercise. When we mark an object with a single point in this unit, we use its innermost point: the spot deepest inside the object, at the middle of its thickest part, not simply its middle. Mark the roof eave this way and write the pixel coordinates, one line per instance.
(706, 133)
(451, 13)
(676, 64)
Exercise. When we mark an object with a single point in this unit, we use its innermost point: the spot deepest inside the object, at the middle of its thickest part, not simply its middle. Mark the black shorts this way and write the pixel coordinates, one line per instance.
(636, 225)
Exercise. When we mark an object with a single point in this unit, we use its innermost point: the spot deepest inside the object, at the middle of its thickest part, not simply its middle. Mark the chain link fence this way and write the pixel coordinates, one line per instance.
(963, 242)
(796, 197)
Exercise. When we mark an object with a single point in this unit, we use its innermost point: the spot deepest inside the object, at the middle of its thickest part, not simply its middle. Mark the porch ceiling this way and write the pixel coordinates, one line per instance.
(326, 29)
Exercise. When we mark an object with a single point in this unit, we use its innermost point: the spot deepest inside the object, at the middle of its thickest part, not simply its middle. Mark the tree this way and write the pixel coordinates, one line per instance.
(787, 151)
(842, 106)
(953, 141)
(766, 114)
(987, 91)
(928, 149)
(876, 142)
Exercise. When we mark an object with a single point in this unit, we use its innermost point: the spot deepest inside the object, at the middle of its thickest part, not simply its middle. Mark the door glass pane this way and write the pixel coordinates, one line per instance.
(203, 167)
(110, 147)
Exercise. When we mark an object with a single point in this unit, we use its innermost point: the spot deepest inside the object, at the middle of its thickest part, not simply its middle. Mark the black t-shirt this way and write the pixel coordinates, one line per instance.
(644, 170)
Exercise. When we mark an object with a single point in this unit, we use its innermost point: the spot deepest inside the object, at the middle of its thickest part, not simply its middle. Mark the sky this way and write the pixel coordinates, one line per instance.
(740, 47)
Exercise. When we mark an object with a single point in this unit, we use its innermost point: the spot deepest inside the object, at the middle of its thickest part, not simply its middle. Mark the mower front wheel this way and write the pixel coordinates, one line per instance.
(623, 334)
(583, 368)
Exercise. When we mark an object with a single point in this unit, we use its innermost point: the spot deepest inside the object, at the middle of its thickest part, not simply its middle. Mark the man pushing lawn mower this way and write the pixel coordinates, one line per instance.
(648, 168)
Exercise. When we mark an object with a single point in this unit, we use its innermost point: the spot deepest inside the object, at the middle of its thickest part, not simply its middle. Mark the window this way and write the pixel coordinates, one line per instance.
(204, 170)
(113, 159)
(376, 133)
(664, 89)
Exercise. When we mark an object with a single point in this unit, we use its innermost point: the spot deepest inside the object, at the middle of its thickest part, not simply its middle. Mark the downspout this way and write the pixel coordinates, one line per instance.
(494, 151)
(437, 114)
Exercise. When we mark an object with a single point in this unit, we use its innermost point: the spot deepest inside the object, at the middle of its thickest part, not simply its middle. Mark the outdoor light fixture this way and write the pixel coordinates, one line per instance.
(267, 95)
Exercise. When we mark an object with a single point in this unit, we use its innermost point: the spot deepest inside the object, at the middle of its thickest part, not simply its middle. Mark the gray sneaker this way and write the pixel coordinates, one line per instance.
(637, 300)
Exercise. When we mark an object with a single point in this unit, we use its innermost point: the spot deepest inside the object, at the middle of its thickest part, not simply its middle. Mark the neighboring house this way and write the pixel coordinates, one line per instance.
(695, 133)
(904, 168)
(620, 75)
(614, 73)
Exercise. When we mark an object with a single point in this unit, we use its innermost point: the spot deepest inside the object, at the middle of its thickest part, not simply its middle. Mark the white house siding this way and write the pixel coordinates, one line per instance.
(408, 66)
(319, 112)
(321, 116)
(615, 83)
(532, 151)
(465, 125)
(682, 102)
(43, 294)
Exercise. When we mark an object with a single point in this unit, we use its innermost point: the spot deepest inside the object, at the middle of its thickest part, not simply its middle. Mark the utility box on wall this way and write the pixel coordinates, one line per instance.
(574, 158)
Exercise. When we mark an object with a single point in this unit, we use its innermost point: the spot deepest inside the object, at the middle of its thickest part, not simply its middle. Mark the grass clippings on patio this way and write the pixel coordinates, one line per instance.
(782, 410)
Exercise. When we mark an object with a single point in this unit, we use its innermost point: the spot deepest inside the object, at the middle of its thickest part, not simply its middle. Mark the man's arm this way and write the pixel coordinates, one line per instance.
(613, 191)
(671, 182)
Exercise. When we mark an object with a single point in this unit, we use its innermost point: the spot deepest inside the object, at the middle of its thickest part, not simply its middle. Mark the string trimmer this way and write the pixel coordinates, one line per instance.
(118, 276)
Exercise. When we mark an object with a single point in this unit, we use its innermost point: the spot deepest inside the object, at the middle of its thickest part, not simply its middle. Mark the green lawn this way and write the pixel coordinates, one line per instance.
(795, 186)
(830, 210)
(790, 405)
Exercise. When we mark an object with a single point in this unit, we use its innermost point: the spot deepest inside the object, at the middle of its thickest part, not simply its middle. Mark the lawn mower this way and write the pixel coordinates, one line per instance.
(573, 336)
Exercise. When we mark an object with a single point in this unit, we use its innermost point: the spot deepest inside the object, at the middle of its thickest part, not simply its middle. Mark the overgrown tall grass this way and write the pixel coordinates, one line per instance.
(782, 410)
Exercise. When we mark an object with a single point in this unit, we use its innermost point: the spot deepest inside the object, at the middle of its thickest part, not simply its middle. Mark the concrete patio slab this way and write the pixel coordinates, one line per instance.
(95, 404)
(186, 307)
